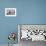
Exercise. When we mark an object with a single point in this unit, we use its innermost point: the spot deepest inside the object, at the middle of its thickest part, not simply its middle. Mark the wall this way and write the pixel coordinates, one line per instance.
(28, 12)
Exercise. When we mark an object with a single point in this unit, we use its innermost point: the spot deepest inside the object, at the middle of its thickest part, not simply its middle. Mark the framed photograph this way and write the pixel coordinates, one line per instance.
(33, 32)
(10, 11)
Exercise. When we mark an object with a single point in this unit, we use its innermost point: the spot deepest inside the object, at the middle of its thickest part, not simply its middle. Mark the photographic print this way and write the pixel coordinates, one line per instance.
(29, 34)
(10, 11)
(33, 32)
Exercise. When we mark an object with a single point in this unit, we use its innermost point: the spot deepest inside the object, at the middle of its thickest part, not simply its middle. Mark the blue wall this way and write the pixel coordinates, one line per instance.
(28, 12)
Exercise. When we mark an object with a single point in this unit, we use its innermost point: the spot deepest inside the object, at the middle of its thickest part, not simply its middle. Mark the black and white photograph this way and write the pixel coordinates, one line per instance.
(29, 34)
(10, 11)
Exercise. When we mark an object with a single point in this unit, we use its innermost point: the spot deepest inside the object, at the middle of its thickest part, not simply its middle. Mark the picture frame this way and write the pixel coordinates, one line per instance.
(10, 12)
(39, 35)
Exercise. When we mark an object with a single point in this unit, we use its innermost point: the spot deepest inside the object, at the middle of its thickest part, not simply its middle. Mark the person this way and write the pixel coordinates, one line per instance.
(12, 36)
